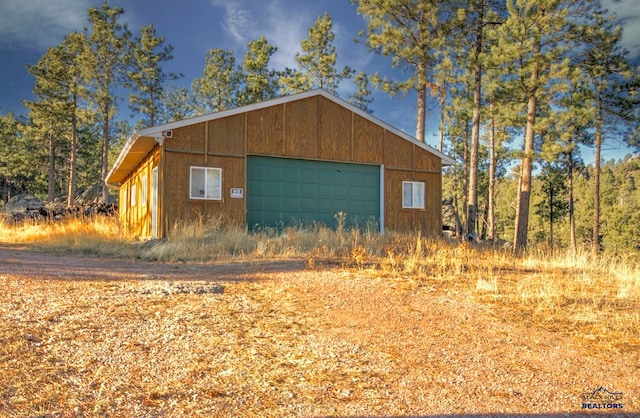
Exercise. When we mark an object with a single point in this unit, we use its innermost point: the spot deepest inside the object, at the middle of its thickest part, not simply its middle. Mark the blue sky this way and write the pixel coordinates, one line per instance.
(193, 27)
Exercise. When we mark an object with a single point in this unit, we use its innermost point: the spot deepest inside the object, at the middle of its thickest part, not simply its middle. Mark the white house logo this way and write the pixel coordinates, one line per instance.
(602, 398)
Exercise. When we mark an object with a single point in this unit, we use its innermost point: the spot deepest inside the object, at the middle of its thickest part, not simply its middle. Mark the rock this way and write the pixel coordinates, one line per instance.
(23, 203)
(32, 338)
(93, 195)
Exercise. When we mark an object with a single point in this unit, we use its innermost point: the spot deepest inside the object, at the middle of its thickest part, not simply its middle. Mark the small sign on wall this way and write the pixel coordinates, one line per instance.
(237, 193)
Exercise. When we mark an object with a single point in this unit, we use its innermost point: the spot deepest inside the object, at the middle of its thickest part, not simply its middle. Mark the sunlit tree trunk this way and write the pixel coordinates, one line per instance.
(491, 217)
(472, 208)
(572, 219)
(596, 180)
(524, 186)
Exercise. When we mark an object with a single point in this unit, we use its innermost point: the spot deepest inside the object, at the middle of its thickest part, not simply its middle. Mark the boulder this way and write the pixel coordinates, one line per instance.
(23, 203)
(92, 195)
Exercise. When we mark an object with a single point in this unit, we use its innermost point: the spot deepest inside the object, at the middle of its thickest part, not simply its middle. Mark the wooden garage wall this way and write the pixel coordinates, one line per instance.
(314, 128)
(219, 144)
(405, 161)
(137, 219)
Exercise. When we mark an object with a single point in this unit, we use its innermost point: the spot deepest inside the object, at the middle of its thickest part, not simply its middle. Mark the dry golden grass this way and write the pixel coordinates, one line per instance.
(99, 235)
(375, 325)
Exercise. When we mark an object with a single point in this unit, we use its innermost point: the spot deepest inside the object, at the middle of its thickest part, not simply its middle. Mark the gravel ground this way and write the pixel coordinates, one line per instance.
(86, 336)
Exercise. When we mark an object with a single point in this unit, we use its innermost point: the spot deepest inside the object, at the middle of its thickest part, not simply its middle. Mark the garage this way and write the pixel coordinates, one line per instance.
(291, 160)
(286, 191)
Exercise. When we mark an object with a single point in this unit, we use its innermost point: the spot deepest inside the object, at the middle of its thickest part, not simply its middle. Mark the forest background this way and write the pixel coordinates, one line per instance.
(525, 89)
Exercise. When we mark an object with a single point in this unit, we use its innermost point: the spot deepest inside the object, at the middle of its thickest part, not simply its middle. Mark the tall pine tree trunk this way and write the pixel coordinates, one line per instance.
(551, 215)
(572, 219)
(105, 154)
(441, 145)
(595, 249)
(51, 189)
(491, 217)
(524, 185)
(422, 114)
(472, 208)
(71, 192)
(465, 177)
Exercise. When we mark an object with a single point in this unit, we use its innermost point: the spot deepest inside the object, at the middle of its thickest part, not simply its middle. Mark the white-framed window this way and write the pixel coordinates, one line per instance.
(413, 194)
(205, 183)
(134, 190)
(143, 197)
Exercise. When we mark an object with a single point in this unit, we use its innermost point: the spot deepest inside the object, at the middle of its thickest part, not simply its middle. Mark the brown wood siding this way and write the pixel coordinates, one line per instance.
(396, 218)
(226, 136)
(427, 220)
(367, 141)
(301, 128)
(187, 138)
(265, 131)
(334, 131)
(425, 161)
(398, 152)
(181, 209)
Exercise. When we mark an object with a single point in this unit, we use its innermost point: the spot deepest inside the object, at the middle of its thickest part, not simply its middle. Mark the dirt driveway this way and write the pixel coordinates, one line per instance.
(22, 262)
(89, 336)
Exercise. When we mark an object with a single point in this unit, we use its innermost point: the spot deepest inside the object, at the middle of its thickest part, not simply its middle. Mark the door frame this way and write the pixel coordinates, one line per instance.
(154, 202)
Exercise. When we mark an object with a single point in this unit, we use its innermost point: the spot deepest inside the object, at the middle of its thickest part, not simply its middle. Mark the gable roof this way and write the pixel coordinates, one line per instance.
(140, 143)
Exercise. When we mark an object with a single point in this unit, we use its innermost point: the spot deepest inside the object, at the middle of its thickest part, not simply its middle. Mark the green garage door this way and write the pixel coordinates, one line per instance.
(284, 192)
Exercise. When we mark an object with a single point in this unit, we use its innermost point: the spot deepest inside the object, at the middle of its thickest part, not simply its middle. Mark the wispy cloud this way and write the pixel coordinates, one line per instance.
(628, 14)
(237, 19)
(281, 24)
(38, 24)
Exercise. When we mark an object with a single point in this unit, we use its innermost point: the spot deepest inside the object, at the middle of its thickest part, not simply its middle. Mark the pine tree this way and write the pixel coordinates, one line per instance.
(361, 98)
(614, 94)
(106, 64)
(259, 81)
(218, 87)
(553, 206)
(46, 115)
(566, 130)
(176, 104)
(410, 32)
(472, 208)
(11, 150)
(531, 46)
(146, 77)
(58, 112)
(317, 63)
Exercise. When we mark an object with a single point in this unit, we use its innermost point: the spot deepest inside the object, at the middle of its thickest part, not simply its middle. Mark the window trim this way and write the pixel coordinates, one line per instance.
(413, 194)
(144, 191)
(218, 197)
(133, 197)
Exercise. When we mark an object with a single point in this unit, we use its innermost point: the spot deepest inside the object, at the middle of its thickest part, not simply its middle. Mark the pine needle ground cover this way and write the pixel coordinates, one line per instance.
(407, 327)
